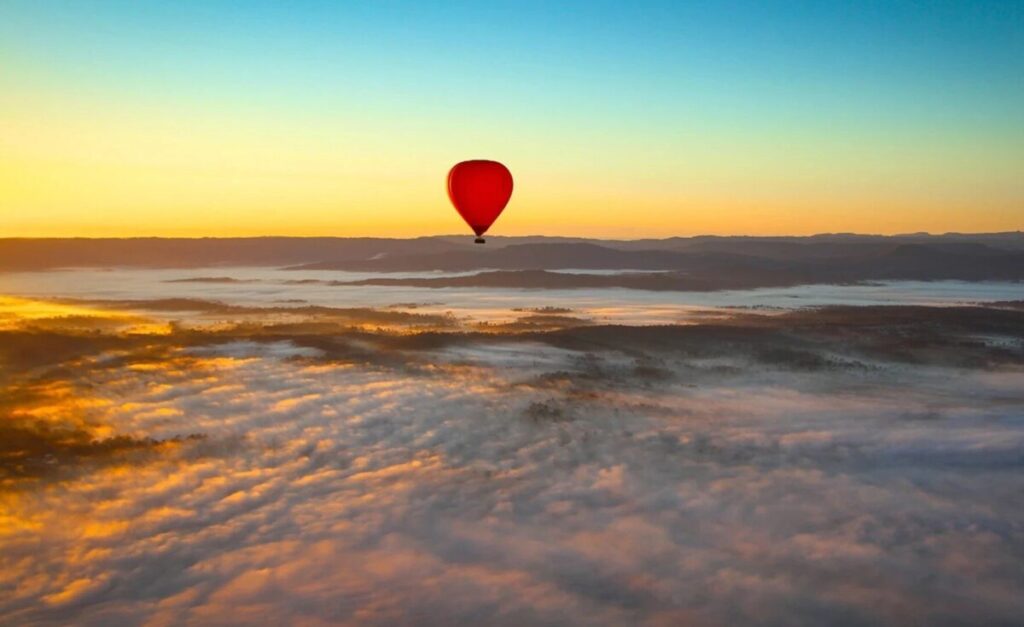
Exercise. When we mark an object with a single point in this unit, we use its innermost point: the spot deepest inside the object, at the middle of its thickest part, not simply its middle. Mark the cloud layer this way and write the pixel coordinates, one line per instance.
(579, 476)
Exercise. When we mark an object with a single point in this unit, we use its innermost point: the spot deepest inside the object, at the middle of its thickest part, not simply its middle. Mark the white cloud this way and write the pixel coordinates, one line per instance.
(329, 493)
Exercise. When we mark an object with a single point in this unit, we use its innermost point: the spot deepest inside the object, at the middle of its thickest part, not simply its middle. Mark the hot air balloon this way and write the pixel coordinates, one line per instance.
(479, 189)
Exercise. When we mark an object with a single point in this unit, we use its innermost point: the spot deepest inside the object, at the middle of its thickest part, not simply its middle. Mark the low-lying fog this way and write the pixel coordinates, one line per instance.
(257, 460)
(255, 286)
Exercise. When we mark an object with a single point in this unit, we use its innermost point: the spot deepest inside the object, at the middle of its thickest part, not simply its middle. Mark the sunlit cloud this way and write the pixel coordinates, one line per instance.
(21, 313)
(575, 476)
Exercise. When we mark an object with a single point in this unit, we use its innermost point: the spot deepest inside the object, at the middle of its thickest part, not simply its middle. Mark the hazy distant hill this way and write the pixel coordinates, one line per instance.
(39, 254)
(545, 279)
(518, 257)
(714, 271)
(725, 262)
(685, 263)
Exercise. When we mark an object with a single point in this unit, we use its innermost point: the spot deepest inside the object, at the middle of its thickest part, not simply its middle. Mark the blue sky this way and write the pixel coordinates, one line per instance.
(730, 93)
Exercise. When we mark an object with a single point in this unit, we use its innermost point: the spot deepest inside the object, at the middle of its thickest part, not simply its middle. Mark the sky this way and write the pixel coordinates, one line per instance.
(618, 119)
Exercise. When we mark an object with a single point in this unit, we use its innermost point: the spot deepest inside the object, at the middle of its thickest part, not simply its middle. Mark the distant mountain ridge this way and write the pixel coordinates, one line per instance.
(716, 271)
(781, 263)
(693, 263)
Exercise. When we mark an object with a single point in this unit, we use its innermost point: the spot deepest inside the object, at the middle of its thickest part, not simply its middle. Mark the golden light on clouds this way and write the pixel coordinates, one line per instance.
(18, 313)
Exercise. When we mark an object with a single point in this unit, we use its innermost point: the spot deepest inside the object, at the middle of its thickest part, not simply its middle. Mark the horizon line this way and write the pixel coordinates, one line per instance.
(460, 235)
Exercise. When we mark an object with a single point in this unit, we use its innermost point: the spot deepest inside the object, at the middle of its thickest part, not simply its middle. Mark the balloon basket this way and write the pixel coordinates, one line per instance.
(479, 240)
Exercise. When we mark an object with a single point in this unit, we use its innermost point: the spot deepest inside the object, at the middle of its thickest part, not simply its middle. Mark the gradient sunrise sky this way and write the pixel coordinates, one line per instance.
(621, 119)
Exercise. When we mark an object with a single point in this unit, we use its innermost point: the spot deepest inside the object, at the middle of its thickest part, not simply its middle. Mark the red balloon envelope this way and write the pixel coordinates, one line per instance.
(479, 190)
